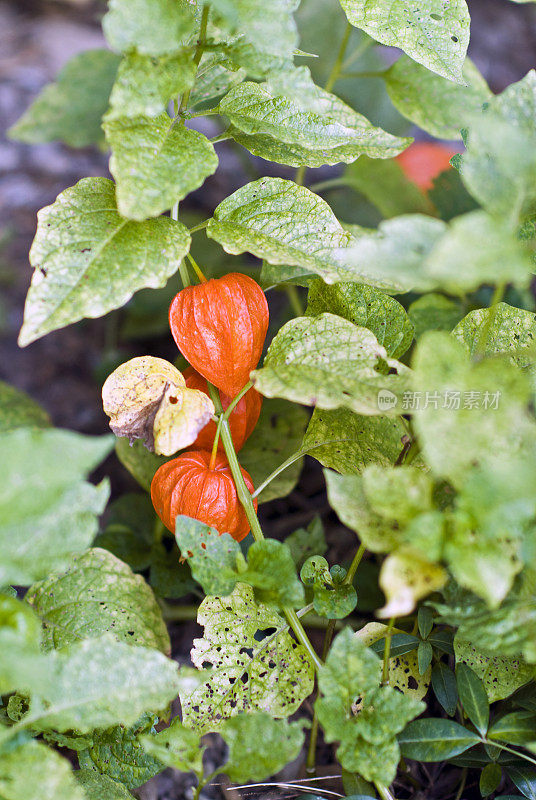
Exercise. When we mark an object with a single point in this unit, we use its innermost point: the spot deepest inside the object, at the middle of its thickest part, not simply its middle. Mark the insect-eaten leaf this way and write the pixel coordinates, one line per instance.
(147, 398)
(332, 598)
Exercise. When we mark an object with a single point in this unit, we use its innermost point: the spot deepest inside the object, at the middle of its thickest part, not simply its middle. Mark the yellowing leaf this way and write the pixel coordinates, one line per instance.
(146, 398)
(403, 670)
(405, 577)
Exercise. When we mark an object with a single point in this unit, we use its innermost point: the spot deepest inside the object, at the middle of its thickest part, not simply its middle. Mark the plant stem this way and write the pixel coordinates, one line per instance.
(197, 268)
(214, 453)
(362, 48)
(378, 73)
(197, 57)
(335, 72)
(354, 565)
(330, 183)
(387, 651)
(246, 499)
(300, 175)
(310, 764)
(237, 399)
(384, 792)
(294, 299)
(509, 750)
(462, 784)
(200, 227)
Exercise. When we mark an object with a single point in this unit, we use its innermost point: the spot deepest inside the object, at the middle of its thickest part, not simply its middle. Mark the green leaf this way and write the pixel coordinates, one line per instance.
(89, 260)
(501, 675)
(214, 78)
(421, 253)
(328, 362)
(436, 105)
(394, 257)
(404, 673)
(155, 162)
(268, 31)
(71, 108)
(367, 743)
(302, 124)
(213, 558)
(499, 165)
(435, 739)
(218, 565)
(282, 222)
(281, 742)
(506, 329)
(154, 28)
(118, 755)
(98, 683)
(20, 639)
(144, 85)
(445, 688)
(277, 436)
(347, 498)
(490, 778)
(177, 746)
(477, 249)
(434, 312)
(349, 442)
(330, 599)
(425, 653)
(140, 462)
(524, 778)
(449, 195)
(397, 494)
(518, 728)
(256, 665)
(18, 410)
(98, 593)
(473, 697)
(47, 511)
(306, 542)
(97, 787)
(33, 771)
(432, 33)
(386, 186)
(366, 307)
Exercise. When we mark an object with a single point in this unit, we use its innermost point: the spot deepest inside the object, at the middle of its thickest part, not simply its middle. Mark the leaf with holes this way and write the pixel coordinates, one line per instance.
(501, 675)
(434, 33)
(96, 594)
(256, 665)
(88, 259)
(331, 599)
(404, 673)
(176, 746)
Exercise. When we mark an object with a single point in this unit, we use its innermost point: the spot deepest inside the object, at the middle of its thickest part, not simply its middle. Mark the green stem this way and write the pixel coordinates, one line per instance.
(387, 651)
(354, 565)
(462, 784)
(237, 399)
(246, 499)
(300, 175)
(183, 269)
(197, 57)
(335, 72)
(200, 227)
(207, 113)
(294, 299)
(362, 48)
(310, 764)
(221, 137)
(331, 183)
(509, 750)
(384, 792)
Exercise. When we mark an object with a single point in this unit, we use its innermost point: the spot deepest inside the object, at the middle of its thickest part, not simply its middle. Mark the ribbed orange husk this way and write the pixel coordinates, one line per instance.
(424, 161)
(219, 327)
(185, 485)
(242, 419)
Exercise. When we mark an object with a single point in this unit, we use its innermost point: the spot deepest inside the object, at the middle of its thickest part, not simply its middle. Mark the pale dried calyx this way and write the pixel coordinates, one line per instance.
(147, 398)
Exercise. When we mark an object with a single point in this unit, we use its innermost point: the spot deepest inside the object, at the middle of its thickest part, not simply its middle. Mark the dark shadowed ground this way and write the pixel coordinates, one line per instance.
(64, 371)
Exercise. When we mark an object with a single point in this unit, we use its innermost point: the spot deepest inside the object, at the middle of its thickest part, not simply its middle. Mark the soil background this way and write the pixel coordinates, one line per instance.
(65, 370)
